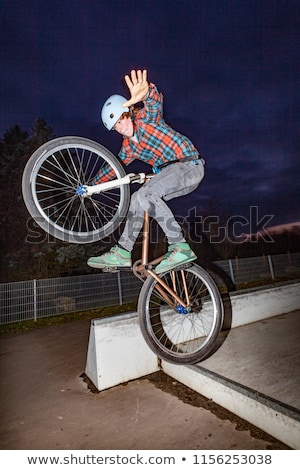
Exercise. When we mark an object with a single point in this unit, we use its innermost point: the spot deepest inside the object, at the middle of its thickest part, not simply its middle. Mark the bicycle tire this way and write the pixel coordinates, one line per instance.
(181, 338)
(50, 179)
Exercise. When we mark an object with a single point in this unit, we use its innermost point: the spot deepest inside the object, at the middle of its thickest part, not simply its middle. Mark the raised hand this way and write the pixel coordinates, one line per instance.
(137, 85)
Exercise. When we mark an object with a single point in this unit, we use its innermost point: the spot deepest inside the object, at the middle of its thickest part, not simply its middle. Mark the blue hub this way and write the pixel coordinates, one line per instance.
(81, 190)
(180, 309)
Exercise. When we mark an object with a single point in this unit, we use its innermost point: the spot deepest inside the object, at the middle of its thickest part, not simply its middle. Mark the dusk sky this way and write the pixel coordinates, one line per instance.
(228, 70)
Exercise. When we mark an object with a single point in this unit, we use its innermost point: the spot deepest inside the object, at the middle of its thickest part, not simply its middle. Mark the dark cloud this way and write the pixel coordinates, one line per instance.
(229, 71)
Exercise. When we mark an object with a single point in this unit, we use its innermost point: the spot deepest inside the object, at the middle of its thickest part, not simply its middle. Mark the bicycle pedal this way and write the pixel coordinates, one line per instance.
(183, 266)
(115, 269)
(109, 270)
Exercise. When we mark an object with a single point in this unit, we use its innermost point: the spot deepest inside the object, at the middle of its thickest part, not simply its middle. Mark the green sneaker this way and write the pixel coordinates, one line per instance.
(178, 254)
(116, 257)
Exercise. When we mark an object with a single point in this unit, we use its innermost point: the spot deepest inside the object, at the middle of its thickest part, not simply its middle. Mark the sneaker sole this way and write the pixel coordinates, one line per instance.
(102, 266)
(176, 265)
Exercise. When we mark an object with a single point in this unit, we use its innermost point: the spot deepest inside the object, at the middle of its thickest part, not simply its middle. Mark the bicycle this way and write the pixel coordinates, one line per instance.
(181, 311)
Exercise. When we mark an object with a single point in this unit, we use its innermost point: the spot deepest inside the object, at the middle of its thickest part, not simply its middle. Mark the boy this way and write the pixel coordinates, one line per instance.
(176, 162)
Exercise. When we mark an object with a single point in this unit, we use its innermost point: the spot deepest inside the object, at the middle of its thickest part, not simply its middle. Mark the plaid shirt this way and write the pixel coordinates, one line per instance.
(154, 142)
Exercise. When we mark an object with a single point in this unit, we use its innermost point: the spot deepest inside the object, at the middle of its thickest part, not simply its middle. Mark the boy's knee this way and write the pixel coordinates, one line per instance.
(147, 202)
(146, 195)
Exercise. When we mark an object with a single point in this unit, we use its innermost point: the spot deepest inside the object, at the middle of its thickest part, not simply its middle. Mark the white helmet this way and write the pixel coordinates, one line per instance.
(112, 110)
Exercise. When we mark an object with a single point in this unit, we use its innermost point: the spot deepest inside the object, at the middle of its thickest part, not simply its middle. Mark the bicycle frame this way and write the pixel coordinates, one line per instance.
(145, 268)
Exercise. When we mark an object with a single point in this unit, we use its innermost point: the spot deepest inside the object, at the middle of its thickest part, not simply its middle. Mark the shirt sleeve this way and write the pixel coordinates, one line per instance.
(106, 173)
(125, 154)
(153, 105)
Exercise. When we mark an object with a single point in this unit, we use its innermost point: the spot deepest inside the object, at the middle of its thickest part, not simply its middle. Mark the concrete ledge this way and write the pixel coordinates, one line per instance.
(277, 419)
(253, 305)
(117, 352)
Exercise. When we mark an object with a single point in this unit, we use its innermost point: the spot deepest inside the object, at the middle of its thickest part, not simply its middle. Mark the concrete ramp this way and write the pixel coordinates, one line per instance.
(117, 352)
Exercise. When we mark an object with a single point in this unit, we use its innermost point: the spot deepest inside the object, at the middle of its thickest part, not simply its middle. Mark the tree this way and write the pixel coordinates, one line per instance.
(15, 150)
(41, 133)
(13, 146)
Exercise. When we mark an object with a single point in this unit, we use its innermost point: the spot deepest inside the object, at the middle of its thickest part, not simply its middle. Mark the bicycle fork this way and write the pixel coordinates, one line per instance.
(163, 289)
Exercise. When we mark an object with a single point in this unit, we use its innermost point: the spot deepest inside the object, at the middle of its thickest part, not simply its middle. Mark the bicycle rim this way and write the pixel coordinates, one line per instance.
(50, 179)
(177, 334)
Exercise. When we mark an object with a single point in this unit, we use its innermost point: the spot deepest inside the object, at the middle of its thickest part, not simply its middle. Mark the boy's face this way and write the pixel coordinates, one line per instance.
(124, 126)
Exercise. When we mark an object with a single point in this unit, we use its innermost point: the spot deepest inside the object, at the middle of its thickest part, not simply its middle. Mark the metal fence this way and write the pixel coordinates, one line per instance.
(31, 300)
(241, 270)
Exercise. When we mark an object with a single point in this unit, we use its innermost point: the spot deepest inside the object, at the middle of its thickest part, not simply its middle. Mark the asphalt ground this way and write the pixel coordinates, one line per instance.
(46, 403)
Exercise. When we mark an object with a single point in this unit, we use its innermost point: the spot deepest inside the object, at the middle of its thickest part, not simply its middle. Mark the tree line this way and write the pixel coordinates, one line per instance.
(21, 259)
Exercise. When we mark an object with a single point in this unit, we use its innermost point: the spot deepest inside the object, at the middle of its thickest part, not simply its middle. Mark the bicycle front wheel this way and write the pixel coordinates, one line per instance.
(176, 333)
(50, 179)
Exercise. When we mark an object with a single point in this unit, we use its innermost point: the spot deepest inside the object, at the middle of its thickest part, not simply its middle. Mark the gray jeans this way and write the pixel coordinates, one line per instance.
(173, 181)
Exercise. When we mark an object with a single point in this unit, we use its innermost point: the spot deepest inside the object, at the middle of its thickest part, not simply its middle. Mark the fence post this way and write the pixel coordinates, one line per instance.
(231, 271)
(271, 266)
(34, 301)
(120, 288)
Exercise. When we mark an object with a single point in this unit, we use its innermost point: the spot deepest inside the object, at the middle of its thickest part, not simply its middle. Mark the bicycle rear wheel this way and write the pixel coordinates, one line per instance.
(177, 334)
(50, 179)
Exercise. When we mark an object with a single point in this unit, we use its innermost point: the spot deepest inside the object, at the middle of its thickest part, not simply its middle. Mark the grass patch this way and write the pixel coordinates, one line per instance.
(29, 325)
